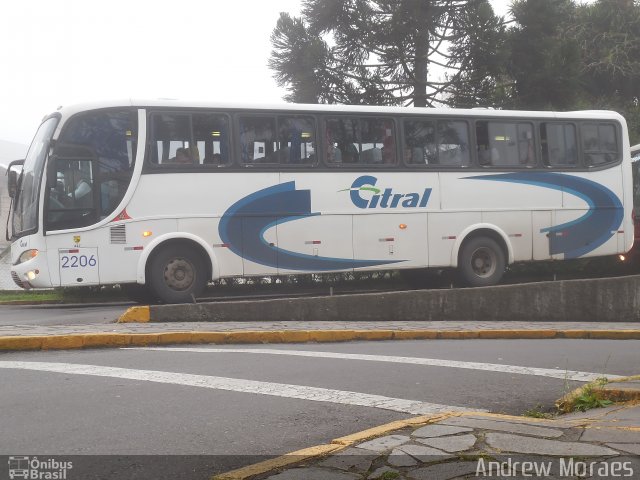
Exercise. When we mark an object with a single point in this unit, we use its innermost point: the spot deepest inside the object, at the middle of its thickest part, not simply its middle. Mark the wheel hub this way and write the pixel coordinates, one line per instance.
(179, 274)
(483, 262)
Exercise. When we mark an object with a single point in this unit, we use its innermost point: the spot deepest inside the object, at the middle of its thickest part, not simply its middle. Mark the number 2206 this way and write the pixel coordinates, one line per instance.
(78, 261)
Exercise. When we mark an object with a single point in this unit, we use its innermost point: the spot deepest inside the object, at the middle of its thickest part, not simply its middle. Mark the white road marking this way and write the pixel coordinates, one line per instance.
(245, 386)
(432, 362)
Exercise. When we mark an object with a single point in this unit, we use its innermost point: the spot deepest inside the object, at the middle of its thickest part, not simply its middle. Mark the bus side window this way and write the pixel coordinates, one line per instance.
(211, 135)
(558, 144)
(599, 143)
(453, 143)
(342, 137)
(296, 140)
(171, 140)
(258, 140)
(420, 142)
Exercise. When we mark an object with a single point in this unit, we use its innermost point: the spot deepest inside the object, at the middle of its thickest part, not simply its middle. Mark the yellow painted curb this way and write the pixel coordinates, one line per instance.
(313, 453)
(615, 334)
(135, 315)
(281, 462)
(390, 427)
(62, 342)
(415, 335)
(516, 334)
(106, 339)
(21, 343)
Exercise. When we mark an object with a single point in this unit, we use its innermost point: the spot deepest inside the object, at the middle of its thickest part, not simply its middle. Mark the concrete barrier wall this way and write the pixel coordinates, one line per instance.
(593, 300)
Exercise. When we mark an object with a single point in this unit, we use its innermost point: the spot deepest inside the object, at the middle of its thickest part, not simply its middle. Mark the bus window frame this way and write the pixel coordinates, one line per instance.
(435, 167)
(151, 167)
(272, 166)
(357, 166)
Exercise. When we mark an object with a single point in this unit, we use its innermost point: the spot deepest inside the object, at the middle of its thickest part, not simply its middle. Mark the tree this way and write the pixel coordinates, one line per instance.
(372, 51)
(608, 33)
(480, 59)
(544, 62)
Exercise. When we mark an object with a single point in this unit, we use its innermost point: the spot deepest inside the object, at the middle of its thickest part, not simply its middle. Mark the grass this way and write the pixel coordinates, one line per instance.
(590, 398)
(30, 296)
(536, 412)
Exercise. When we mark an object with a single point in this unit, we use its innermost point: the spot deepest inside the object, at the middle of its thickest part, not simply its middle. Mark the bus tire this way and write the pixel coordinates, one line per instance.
(177, 274)
(481, 262)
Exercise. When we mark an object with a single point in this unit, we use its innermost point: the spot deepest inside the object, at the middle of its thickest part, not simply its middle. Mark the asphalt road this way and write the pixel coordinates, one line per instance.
(212, 408)
(60, 314)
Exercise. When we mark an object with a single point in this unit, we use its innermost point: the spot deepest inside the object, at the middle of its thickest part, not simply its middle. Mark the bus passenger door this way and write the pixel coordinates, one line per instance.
(71, 202)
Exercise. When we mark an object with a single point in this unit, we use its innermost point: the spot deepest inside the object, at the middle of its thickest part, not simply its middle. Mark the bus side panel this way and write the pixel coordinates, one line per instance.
(541, 220)
(444, 229)
(592, 214)
(399, 237)
(325, 238)
(517, 226)
(122, 245)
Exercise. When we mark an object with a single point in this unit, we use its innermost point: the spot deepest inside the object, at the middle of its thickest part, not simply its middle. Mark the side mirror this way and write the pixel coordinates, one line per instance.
(12, 183)
(12, 178)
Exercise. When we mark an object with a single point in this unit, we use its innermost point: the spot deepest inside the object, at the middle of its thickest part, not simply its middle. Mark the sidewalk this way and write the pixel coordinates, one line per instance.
(36, 337)
(601, 443)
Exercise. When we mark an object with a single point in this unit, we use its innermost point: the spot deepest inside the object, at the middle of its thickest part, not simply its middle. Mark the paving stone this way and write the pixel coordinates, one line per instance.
(383, 444)
(398, 458)
(457, 443)
(443, 471)
(627, 447)
(350, 458)
(314, 473)
(536, 422)
(518, 444)
(594, 414)
(610, 435)
(437, 430)
(424, 454)
(381, 471)
(524, 429)
(625, 467)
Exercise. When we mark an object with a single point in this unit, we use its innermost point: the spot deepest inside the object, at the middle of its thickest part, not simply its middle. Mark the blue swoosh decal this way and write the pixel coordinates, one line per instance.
(243, 225)
(585, 234)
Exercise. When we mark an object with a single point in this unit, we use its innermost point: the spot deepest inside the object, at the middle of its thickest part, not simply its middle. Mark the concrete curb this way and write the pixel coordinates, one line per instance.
(616, 392)
(319, 451)
(96, 340)
(341, 443)
(591, 300)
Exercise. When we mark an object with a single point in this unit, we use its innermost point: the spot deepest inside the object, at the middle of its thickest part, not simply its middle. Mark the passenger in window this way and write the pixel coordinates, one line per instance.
(350, 153)
(484, 155)
(182, 156)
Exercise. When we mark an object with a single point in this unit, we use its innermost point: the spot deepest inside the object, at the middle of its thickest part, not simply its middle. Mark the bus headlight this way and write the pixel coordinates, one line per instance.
(27, 255)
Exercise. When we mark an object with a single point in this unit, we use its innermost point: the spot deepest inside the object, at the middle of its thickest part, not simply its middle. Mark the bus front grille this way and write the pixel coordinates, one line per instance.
(118, 234)
(16, 279)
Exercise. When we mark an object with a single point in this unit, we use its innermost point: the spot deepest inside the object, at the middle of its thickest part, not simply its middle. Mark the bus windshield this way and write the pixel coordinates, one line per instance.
(25, 212)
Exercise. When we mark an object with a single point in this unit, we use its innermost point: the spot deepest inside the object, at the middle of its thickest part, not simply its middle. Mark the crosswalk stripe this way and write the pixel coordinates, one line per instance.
(432, 362)
(315, 394)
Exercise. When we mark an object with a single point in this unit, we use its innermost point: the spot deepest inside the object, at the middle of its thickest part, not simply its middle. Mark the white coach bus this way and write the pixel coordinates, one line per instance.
(163, 197)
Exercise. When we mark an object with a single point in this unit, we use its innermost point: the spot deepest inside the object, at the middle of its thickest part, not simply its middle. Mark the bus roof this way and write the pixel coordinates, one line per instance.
(367, 109)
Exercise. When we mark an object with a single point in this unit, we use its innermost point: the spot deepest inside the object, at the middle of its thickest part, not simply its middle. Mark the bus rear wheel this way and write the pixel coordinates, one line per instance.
(481, 262)
(177, 275)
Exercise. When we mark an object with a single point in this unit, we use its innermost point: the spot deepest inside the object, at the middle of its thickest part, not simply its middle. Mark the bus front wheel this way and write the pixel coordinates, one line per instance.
(177, 275)
(481, 262)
